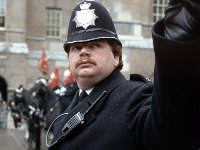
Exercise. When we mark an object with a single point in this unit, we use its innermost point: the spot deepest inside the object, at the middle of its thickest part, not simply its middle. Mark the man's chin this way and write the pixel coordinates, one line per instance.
(86, 73)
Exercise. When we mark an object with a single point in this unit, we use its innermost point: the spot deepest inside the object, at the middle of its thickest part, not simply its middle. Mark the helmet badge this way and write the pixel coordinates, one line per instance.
(85, 17)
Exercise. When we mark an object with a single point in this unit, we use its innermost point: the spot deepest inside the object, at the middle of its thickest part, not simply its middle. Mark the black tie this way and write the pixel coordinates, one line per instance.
(82, 95)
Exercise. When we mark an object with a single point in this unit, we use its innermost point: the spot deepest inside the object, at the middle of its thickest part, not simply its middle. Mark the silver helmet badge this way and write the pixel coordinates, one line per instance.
(85, 17)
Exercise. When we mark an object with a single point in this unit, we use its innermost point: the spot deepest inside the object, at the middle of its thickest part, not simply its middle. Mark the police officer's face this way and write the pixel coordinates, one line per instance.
(91, 62)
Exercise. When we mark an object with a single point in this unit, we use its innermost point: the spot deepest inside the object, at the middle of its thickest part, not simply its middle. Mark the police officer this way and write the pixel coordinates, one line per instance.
(120, 114)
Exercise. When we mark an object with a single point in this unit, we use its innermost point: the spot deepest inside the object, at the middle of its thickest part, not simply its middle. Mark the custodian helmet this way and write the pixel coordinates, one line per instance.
(90, 21)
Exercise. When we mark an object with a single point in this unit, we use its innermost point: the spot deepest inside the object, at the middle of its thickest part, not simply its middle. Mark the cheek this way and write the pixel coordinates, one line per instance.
(72, 61)
(107, 60)
(102, 59)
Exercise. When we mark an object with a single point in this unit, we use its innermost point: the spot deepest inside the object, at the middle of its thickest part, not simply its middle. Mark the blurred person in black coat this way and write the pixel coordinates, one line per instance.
(3, 89)
(66, 95)
(120, 114)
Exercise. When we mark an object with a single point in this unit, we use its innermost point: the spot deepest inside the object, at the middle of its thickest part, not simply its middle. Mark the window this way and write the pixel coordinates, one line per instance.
(2, 13)
(53, 22)
(159, 7)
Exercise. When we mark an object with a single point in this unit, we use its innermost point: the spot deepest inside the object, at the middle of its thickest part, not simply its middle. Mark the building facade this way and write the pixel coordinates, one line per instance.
(29, 26)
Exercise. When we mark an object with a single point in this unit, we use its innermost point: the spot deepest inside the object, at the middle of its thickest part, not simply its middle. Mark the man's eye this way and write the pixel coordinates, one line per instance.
(75, 48)
(96, 45)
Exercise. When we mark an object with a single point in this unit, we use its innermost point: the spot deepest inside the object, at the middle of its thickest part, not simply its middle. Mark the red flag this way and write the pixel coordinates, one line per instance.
(54, 79)
(68, 77)
(43, 64)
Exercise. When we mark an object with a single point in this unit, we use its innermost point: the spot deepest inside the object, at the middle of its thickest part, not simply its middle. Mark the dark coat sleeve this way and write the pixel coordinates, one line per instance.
(175, 106)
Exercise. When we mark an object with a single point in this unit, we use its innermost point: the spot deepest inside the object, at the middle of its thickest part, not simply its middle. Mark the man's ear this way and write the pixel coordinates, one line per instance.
(116, 62)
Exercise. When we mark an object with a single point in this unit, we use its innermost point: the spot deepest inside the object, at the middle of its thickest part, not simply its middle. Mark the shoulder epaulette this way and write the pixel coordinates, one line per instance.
(139, 77)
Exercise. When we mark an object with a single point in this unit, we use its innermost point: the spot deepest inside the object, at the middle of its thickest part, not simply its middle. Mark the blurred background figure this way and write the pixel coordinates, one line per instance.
(3, 102)
(43, 64)
(54, 81)
(3, 90)
(68, 77)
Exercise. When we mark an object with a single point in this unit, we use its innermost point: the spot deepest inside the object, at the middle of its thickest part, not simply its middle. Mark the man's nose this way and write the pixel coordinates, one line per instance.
(84, 51)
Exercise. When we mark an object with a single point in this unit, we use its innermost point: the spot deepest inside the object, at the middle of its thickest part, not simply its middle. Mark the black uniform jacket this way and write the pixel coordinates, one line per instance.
(137, 115)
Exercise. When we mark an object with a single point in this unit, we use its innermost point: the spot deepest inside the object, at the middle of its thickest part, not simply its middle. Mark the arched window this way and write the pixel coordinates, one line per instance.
(159, 7)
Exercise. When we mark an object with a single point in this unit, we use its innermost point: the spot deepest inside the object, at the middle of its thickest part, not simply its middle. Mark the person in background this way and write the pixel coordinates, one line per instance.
(68, 77)
(3, 90)
(136, 114)
(68, 90)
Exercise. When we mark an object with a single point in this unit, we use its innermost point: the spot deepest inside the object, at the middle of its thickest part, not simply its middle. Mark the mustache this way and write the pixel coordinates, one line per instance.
(84, 60)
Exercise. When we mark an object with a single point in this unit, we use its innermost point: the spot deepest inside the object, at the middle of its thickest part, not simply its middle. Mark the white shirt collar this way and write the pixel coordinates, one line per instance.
(87, 91)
